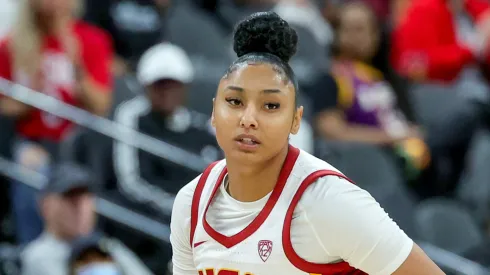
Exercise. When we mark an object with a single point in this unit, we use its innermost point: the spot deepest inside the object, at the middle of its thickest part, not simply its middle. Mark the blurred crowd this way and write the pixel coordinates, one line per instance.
(396, 95)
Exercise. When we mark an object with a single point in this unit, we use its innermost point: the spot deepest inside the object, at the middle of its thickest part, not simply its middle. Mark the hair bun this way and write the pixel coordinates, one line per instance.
(265, 32)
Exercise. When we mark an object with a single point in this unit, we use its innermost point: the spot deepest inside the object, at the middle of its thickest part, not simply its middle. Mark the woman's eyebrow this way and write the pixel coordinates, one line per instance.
(240, 89)
(234, 88)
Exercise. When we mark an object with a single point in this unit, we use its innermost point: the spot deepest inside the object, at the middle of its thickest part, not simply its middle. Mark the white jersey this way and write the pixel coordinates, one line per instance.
(314, 222)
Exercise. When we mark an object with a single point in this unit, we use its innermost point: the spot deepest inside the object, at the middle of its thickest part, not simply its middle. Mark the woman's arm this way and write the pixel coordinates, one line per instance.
(330, 96)
(332, 125)
(418, 263)
(95, 73)
(8, 106)
(13, 108)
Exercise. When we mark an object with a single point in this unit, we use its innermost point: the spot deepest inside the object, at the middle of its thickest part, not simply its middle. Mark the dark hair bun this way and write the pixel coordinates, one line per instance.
(265, 32)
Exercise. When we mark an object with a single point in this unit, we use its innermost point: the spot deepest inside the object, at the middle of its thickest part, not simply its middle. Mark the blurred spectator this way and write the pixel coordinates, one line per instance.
(139, 179)
(442, 46)
(305, 13)
(329, 9)
(68, 208)
(436, 40)
(8, 13)
(398, 10)
(360, 106)
(231, 12)
(165, 71)
(96, 254)
(381, 8)
(315, 34)
(51, 52)
(135, 25)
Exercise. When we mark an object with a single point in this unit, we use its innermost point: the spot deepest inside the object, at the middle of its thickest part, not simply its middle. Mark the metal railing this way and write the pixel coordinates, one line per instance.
(452, 261)
(443, 258)
(103, 125)
(104, 207)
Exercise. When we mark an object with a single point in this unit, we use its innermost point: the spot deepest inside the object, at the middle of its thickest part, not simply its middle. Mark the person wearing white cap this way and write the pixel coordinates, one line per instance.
(139, 180)
(164, 70)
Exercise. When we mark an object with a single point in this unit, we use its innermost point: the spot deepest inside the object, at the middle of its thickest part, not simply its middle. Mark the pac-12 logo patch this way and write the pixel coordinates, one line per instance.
(265, 249)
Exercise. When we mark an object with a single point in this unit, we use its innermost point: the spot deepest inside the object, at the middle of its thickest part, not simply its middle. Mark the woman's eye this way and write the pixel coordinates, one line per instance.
(272, 106)
(233, 101)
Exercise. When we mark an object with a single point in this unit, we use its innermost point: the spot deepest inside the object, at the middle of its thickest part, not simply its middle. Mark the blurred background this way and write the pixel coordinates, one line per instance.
(105, 107)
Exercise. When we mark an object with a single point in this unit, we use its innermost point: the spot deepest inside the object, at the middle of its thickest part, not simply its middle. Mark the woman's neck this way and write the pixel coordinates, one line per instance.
(251, 182)
(347, 57)
(55, 25)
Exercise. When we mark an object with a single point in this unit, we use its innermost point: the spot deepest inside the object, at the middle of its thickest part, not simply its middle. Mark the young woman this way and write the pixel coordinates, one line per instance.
(366, 109)
(269, 208)
(50, 51)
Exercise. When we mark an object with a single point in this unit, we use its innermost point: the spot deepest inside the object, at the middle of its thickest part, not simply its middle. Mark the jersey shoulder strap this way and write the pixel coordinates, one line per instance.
(340, 268)
(196, 199)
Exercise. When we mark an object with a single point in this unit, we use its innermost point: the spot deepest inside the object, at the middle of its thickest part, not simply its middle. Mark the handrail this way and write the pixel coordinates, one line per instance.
(454, 262)
(104, 207)
(102, 125)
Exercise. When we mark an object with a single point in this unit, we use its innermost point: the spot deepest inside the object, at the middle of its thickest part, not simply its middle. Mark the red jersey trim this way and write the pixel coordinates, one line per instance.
(196, 199)
(230, 241)
(341, 268)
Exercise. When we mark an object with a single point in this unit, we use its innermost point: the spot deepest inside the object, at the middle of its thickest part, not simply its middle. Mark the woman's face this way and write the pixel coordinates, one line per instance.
(358, 36)
(254, 113)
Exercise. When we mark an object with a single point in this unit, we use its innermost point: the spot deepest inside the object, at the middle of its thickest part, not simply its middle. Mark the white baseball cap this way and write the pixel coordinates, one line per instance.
(164, 61)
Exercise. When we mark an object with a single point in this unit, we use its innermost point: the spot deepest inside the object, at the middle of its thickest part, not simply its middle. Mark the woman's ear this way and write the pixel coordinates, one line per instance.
(212, 116)
(298, 115)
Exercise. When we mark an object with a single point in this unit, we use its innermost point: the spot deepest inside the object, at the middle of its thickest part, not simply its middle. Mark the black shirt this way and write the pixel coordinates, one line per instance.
(135, 25)
(323, 93)
(134, 170)
(146, 183)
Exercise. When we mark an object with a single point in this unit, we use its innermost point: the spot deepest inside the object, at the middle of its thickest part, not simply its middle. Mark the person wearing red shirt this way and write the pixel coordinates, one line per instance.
(52, 52)
(425, 45)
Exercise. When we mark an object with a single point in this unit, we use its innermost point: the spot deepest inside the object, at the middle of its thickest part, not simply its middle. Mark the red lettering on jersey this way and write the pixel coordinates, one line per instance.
(207, 271)
(228, 272)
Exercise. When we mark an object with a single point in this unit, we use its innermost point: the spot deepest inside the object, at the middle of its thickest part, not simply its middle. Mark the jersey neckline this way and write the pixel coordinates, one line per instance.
(230, 241)
(245, 206)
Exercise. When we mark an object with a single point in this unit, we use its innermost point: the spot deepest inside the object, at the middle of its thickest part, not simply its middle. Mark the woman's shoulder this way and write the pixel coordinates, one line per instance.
(329, 181)
(185, 195)
(367, 72)
(355, 69)
(332, 189)
(340, 67)
(90, 34)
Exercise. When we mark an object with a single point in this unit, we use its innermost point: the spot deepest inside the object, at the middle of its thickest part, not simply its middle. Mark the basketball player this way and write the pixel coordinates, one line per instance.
(269, 208)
